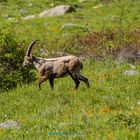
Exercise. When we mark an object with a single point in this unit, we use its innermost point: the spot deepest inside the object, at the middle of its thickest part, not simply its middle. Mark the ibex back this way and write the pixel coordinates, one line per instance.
(55, 67)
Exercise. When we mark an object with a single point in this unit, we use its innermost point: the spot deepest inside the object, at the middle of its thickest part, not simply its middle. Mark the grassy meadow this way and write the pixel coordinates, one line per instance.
(109, 109)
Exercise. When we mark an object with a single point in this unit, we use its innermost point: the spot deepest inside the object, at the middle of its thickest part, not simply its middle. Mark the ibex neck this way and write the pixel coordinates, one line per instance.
(37, 62)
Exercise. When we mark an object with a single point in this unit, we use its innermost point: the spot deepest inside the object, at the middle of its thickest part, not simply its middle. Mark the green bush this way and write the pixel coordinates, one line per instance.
(11, 58)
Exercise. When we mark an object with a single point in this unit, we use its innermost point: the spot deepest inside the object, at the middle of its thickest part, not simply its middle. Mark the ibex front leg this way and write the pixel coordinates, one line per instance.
(51, 80)
(41, 80)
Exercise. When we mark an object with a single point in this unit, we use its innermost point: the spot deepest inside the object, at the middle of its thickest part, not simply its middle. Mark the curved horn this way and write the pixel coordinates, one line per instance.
(30, 47)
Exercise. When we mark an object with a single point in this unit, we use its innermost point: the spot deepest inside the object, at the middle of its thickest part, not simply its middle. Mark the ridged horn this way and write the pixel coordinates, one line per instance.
(30, 47)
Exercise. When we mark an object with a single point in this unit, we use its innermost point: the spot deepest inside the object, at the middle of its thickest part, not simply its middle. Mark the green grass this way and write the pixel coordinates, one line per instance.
(119, 17)
(108, 110)
(112, 15)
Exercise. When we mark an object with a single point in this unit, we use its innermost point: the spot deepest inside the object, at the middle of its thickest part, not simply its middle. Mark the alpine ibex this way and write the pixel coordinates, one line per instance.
(55, 67)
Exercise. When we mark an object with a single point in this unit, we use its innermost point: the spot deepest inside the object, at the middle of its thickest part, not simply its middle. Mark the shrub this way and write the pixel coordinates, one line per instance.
(11, 58)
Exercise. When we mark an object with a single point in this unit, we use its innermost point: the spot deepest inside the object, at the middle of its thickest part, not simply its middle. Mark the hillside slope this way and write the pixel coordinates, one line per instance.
(110, 109)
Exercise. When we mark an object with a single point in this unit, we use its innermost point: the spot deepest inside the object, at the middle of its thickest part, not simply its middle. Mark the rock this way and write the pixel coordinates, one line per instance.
(81, 1)
(11, 19)
(130, 72)
(70, 25)
(129, 53)
(22, 11)
(57, 11)
(98, 6)
(9, 124)
(29, 17)
(30, 4)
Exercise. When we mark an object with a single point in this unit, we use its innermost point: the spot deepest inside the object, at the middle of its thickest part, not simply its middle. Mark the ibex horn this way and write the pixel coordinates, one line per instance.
(30, 47)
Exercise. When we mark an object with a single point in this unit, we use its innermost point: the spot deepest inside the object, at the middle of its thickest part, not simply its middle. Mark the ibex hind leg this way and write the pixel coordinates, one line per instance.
(41, 80)
(76, 80)
(82, 78)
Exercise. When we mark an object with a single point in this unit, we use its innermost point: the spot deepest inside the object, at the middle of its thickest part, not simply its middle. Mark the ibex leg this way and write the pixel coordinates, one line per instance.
(51, 80)
(76, 80)
(82, 78)
(41, 80)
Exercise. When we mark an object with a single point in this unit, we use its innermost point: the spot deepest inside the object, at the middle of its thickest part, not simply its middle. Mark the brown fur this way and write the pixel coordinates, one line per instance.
(55, 68)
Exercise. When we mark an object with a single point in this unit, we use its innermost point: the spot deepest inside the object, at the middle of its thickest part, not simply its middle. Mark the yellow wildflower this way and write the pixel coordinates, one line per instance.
(104, 110)
(103, 76)
(55, 29)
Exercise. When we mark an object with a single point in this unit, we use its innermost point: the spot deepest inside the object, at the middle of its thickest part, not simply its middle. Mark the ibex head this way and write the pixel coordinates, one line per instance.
(28, 57)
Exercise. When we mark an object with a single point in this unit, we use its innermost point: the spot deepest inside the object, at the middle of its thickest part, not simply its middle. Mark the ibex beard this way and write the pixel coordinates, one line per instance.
(55, 67)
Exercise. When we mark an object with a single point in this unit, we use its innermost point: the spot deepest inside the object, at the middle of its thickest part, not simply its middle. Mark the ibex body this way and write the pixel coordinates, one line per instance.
(55, 67)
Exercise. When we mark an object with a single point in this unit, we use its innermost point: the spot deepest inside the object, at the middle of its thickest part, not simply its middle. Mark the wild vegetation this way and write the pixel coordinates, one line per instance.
(98, 32)
(11, 57)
